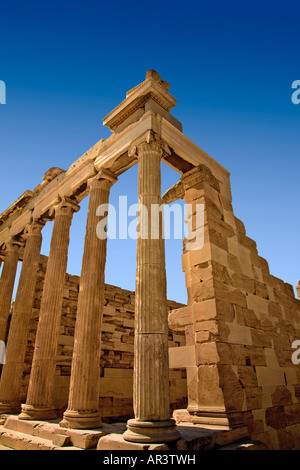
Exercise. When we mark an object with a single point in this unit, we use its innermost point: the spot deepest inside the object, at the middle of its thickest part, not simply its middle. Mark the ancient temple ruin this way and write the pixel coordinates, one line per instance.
(82, 355)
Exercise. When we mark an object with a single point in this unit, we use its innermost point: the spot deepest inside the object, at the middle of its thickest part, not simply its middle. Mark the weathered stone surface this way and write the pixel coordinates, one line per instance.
(298, 289)
(117, 442)
(61, 440)
(275, 417)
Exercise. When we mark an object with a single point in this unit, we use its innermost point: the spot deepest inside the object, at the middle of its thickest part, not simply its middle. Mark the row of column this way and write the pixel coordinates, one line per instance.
(152, 421)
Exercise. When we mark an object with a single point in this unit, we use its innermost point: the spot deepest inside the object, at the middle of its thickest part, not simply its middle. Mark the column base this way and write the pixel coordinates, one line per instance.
(10, 408)
(81, 420)
(37, 413)
(151, 431)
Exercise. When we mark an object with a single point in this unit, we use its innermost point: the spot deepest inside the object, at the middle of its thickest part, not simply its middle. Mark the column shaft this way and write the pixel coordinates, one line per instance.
(11, 378)
(152, 421)
(7, 285)
(83, 406)
(39, 403)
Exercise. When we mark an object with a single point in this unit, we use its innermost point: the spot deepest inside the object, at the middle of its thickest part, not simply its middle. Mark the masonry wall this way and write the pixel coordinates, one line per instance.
(244, 321)
(116, 383)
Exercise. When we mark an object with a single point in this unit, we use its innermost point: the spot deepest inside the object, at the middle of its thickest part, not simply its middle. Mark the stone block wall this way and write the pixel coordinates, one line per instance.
(116, 383)
(242, 321)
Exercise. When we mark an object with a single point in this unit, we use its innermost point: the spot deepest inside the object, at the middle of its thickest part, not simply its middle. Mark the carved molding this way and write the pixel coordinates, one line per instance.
(65, 206)
(34, 227)
(13, 243)
(188, 180)
(52, 173)
(104, 178)
(199, 174)
(150, 138)
(174, 193)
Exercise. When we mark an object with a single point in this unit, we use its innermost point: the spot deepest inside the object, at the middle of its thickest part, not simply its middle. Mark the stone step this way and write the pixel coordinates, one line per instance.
(5, 448)
(201, 437)
(21, 441)
(40, 435)
(52, 432)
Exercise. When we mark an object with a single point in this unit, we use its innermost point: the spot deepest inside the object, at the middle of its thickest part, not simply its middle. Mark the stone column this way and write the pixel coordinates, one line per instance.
(39, 398)
(17, 339)
(83, 406)
(152, 421)
(7, 284)
(298, 289)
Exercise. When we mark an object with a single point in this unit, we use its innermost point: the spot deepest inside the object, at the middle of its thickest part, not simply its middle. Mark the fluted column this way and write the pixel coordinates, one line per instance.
(83, 406)
(39, 404)
(152, 421)
(12, 372)
(7, 282)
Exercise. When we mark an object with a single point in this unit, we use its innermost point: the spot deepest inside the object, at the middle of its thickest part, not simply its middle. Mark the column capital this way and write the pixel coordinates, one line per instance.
(151, 141)
(190, 179)
(199, 174)
(34, 227)
(174, 193)
(64, 206)
(13, 244)
(104, 179)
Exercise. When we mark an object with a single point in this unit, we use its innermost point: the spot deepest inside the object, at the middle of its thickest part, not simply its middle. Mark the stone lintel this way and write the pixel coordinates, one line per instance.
(16, 206)
(191, 152)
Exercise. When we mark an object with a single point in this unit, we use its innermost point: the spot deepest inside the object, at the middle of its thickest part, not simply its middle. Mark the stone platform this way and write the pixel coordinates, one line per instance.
(18, 434)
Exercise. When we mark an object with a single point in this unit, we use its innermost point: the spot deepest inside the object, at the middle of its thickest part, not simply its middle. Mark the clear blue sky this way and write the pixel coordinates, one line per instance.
(67, 64)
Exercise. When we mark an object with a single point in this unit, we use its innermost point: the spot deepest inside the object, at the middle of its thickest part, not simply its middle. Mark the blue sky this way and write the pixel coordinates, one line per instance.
(231, 65)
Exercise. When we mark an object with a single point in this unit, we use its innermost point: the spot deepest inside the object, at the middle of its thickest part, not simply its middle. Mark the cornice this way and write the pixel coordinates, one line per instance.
(153, 88)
